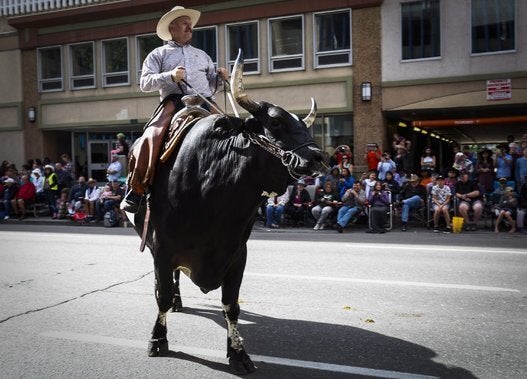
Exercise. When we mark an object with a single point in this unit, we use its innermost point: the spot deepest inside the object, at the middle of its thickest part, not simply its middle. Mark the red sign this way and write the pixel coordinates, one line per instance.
(499, 89)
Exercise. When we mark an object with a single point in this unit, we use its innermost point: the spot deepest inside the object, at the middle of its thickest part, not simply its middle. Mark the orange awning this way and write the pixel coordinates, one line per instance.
(469, 121)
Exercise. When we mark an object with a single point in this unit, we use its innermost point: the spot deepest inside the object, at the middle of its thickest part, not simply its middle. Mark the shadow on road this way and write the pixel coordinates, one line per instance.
(325, 343)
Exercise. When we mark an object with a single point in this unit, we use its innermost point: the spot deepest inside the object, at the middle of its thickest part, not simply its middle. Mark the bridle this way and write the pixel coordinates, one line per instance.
(289, 158)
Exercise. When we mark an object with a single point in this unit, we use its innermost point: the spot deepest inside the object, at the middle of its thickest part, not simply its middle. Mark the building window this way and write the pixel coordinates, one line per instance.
(82, 68)
(286, 43)
(244, 36)
(144, 45)
(330, 131)
(492, 26)
(49, 61)
(115, 62)
(332, 38)
(420, 29)
(206, 40)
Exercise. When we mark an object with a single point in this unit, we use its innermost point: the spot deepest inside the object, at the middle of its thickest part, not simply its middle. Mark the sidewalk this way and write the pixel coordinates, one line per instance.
(47, 220)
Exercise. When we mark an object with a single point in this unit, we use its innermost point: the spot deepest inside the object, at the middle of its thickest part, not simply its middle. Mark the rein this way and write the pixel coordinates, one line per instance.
(289, 158)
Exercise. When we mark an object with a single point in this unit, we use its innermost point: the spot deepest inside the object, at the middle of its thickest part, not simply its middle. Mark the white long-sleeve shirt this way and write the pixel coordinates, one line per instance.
(200, 72)
(92, 194)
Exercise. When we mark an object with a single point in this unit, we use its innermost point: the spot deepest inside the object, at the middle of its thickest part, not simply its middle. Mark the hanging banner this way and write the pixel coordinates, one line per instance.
(499, 89)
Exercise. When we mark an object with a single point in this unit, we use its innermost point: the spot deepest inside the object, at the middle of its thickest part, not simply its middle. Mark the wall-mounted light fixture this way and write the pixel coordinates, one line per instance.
(402, 125)
(365, 91)
(32, 114)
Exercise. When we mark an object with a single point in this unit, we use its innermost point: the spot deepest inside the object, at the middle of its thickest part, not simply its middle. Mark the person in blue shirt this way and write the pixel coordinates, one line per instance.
(521, 169)
(503, 163)
(346, 181)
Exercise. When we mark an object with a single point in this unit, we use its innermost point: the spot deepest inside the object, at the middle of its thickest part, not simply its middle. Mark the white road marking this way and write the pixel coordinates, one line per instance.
(383, 282)
(436, 248)
(79, 337)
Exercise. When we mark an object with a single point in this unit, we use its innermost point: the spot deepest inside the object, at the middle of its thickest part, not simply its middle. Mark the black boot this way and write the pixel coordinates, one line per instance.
(131, 202)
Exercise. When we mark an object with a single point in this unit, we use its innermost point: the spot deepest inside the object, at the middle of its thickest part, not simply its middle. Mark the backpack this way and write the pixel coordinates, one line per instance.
(110, 219)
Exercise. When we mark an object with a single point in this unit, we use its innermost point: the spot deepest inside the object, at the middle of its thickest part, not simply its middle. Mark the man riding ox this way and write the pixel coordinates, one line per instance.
(175, 69)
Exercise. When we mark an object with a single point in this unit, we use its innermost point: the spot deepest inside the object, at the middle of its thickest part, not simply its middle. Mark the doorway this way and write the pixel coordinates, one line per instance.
(98, 158)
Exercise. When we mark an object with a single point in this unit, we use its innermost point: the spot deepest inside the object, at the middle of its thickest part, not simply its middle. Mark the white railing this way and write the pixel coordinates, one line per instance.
(24, 7)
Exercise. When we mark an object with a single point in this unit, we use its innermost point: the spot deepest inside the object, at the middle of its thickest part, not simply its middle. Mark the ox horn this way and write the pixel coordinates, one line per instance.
(237, 90)
(310, 118)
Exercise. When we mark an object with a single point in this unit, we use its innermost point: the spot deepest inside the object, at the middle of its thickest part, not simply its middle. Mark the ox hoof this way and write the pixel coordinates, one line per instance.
(157, 347)
(240, 362)
(177, 305)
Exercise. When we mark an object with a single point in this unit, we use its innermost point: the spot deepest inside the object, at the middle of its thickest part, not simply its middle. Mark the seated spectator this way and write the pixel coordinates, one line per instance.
(506, 209)
(345, 182)
(91, 196)
(275, 209)
(353, 201)
(499, 191)
(469, 197)
(24, 197)
(326, 203)
(333, 176)
(391, 185)
(298, 204)
(425, 178)
(412, 196)
(451, 179)
(441, 198)
(76, 196)
(10, 191)
(379, 201)
(109, 199)
(62, 205)
(432, 182)
(522, 208)
(369, 182)
(38, 181)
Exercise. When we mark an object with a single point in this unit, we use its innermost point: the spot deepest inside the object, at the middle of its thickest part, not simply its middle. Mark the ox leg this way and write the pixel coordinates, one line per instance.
(239, 360)
(158, 344)
(177, 304)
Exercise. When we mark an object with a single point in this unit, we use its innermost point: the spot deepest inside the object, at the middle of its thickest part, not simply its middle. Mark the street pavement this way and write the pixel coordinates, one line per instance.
(77, 302)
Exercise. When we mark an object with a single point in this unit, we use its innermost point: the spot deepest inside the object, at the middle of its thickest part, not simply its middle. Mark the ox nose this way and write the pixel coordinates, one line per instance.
(320, 159)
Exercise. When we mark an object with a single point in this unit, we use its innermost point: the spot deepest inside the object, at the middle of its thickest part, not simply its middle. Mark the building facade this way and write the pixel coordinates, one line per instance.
(71, 68)
(79, 69)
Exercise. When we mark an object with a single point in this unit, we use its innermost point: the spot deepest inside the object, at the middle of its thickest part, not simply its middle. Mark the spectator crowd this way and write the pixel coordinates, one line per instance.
(486, 183)
(54, 187)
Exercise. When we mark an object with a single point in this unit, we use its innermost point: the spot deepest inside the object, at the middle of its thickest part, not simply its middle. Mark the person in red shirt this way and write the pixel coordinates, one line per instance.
(372, 156)
(25, 195)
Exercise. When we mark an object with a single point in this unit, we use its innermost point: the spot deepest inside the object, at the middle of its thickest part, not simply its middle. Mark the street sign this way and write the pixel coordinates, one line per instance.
(499, 89)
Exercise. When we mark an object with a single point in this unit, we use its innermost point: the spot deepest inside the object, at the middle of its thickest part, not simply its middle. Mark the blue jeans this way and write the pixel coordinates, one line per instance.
(273, 215)
(345, 214)
(413, 202)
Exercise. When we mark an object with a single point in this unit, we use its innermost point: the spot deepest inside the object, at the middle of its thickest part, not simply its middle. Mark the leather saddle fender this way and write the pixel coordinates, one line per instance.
(182, 121)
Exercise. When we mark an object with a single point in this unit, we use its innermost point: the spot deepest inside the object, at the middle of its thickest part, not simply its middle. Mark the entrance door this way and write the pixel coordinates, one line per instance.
(98, 159)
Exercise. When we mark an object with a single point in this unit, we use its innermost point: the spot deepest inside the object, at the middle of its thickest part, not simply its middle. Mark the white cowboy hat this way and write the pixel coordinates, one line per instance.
(178, 11)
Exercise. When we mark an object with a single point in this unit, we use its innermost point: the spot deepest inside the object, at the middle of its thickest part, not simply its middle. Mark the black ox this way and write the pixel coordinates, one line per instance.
(205, 198)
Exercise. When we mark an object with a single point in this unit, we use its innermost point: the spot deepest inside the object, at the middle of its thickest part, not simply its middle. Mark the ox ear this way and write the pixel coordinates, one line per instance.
(310, 118)
(238, 92)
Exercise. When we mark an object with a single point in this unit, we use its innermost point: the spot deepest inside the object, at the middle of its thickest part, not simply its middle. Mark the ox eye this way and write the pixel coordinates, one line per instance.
(275, 123)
